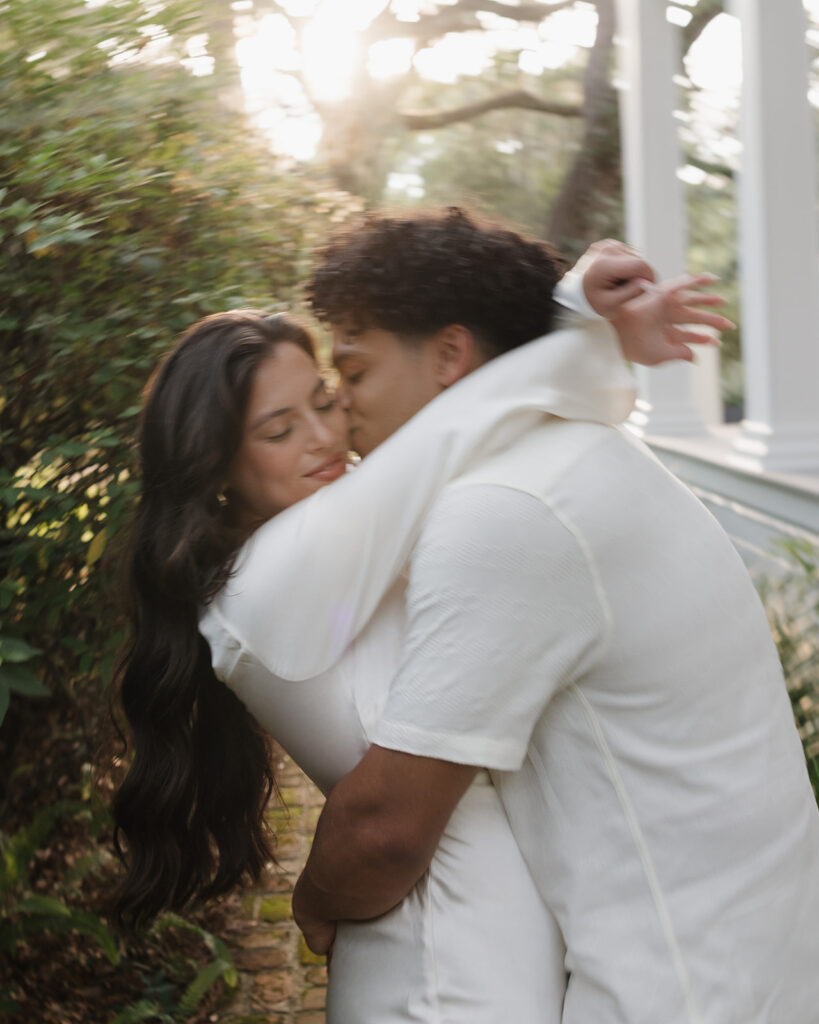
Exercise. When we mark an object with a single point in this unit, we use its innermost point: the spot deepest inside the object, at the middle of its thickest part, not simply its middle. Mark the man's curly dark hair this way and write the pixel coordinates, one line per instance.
(414, 274)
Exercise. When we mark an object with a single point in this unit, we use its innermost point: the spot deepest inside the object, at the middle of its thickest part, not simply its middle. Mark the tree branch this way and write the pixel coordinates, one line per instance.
(296, 20)
(428, 26)
(719, 170)
(517, 12)
(459, 17)
(519, 99)
(704, 13)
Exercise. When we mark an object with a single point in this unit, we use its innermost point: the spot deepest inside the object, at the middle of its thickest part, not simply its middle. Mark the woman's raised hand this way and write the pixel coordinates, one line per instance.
(654, 322)
(664, 321)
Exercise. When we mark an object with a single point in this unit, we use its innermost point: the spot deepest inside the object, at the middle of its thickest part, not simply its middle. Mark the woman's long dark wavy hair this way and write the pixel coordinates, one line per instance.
(189, 815)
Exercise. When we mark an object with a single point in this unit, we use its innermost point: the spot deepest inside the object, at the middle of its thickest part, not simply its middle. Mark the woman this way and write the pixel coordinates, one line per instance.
(238, 426)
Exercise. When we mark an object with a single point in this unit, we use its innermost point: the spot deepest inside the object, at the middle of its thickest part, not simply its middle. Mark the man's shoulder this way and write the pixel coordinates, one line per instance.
(490, 528)
(541, 457)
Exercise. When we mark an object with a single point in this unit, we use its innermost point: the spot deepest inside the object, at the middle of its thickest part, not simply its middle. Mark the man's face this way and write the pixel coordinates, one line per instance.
(383, 381)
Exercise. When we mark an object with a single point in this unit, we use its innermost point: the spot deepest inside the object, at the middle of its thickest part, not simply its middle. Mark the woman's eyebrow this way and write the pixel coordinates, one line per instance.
(265, 416)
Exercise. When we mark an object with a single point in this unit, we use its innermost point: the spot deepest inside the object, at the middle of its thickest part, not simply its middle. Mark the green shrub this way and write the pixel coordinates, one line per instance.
(132, 202)
(792, 602)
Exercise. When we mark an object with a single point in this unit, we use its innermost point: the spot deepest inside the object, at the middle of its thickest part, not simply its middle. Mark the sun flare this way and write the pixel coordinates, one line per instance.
(279, 71)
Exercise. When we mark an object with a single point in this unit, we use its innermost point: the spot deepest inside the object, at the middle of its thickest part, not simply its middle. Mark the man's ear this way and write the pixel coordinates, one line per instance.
(457, 353)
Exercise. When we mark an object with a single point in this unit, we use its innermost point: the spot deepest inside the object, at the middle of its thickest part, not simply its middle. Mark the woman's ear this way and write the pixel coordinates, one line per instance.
(457, 354)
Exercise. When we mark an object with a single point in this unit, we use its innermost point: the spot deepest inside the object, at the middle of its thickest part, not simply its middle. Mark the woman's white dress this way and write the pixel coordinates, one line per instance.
(308, 633)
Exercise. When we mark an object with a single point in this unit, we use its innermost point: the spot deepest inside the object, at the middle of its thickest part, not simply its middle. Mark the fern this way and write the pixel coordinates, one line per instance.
(21, 847)
(220, 967)
(45, 913)
(31, 913)
(145, 1009)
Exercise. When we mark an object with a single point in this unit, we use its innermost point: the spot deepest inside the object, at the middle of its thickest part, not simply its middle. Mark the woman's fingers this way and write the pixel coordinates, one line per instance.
(699, 338)
(688, 281)
(686, 297)
(705, 318)
(683, 291)
(631, 288)
(677, 341)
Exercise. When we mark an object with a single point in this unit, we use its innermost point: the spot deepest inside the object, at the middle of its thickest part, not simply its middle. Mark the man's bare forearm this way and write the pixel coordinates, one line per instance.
(376, 835)
(352, 872)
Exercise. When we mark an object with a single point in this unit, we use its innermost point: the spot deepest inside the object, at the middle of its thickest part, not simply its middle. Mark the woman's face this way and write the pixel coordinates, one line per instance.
(295, 437)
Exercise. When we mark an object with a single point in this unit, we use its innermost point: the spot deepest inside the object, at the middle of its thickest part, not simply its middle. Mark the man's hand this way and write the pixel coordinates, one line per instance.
(650, 327)
(318, 934)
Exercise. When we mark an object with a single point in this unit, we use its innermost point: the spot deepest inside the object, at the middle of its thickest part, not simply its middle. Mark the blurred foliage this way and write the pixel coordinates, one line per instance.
(131, 204)
(792, 602)
(712, 225)
(26, 912)
(511, 163)
(133, 201)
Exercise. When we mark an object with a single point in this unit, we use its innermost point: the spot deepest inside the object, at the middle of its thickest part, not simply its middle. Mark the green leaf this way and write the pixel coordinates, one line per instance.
(5, 694)
(80, 868)
(220, 966)
(197, 989)
(70, 236)
(19, 848)
(37, 904)
(96, 547)
(8, 1004)
(23, 681)
(145, 1009)
(14, 649)
(216, 945)
(8, 588)
(70, 449)
(49, 914)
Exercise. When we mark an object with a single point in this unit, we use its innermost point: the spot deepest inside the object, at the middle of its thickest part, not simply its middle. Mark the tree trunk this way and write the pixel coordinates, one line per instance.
(588, 205)
(218, 20)
(354, 133)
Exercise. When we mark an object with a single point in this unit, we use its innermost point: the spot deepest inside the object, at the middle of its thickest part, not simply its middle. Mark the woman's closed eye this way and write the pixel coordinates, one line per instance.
(327, 401)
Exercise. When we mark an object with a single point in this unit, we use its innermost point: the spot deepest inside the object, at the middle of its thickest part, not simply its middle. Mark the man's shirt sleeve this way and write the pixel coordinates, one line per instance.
(504, 610)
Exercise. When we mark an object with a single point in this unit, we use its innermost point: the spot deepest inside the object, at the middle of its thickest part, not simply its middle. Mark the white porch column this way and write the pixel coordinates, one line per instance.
(779, 246)
(655, 199)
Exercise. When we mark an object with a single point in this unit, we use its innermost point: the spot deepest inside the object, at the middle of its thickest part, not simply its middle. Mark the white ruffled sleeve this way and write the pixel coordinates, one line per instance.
(308, 580)
(574, 307)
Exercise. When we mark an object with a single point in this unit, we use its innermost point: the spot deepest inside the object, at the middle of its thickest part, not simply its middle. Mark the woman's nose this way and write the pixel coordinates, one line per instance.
(343, 397)
(321, 433)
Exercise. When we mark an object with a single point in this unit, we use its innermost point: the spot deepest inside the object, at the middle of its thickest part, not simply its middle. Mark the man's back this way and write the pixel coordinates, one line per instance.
(662, 801)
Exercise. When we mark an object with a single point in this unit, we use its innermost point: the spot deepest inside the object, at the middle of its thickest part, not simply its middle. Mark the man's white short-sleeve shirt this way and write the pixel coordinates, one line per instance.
(581, 625)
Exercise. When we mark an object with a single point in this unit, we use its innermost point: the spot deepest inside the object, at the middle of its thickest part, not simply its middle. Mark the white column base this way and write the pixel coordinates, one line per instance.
(791, 449)
(708, 385)
(665, 406)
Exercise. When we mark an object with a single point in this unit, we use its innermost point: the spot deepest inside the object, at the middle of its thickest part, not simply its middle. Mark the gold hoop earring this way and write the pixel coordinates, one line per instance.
(221, 498)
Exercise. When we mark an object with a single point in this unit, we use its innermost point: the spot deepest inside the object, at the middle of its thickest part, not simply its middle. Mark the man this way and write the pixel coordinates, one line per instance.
(580, 626)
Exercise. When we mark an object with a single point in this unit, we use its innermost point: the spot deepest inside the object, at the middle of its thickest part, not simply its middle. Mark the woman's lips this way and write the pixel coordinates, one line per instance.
(332, 469)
